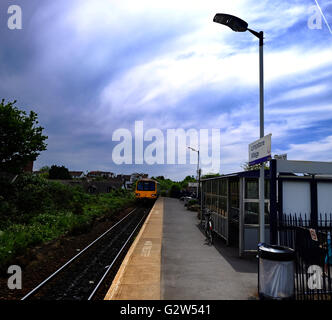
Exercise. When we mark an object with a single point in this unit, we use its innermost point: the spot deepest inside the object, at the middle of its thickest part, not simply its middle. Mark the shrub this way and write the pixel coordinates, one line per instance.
(39, 210)
(42, 228)
(175, 191)
(31, 195)
(192, 202)
(57, 172)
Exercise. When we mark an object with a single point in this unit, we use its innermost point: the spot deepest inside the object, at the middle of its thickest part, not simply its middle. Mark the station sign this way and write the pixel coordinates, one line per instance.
(280, 156)
(260, 150)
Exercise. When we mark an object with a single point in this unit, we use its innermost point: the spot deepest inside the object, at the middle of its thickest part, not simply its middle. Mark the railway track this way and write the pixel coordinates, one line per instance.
(89, 273)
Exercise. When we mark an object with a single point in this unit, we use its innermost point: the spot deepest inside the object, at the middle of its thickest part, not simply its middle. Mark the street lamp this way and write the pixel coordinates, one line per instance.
(198, 172)
(238, 25)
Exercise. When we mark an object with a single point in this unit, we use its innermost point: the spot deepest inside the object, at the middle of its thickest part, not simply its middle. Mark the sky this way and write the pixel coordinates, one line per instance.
(89, 68)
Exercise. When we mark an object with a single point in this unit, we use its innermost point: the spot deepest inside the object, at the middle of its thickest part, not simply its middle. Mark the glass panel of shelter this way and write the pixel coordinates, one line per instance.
(251, 201)
(215, 196)
(222, 197)
(234, 198)
(209, 194)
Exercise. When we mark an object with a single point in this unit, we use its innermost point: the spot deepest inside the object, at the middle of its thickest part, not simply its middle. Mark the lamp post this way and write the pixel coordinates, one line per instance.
(238, 25)
(198, 171)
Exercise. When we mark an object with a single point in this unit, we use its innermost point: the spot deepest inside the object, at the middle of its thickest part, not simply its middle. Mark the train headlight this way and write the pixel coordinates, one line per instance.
(137, 194)
(153, 195)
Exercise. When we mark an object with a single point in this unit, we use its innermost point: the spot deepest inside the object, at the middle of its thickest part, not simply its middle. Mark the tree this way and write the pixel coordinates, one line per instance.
(186, 180)
(57, 172)
(247, 167)
(43, 172)
(189, 179)
(210, 175)
(45, 169)
(21, 141)
(175, 191)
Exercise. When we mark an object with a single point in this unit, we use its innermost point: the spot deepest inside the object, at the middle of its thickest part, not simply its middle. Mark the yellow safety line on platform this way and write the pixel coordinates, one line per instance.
(139, 275)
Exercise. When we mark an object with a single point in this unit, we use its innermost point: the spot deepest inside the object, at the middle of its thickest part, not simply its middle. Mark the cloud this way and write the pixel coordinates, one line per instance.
(320, 150)
(301, 93)
(90, 67)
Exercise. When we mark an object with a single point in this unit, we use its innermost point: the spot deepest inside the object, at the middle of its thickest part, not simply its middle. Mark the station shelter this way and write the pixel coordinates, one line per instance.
(291, 187)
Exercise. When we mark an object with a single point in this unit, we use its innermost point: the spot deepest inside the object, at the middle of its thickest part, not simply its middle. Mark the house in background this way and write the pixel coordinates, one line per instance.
(125, 178)
(105, 186)
(77, 174)
(101, 174)
(95, 187)
(130, 180)
(135, 176)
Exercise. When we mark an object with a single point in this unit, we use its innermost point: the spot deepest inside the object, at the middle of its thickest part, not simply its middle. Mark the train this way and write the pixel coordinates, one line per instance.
(146, 189)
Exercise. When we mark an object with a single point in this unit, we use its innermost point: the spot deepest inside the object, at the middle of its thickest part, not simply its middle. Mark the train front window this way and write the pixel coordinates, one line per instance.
(146, 186)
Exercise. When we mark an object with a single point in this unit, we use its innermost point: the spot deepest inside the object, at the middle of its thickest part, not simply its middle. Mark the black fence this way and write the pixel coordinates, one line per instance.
(312, 243)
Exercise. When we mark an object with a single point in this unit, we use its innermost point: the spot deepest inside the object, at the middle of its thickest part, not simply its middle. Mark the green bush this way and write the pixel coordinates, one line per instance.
(192, 202)
(175, 191)
(32, 195)
(57, 172)
(42, 228)
(34, 210)
(163, 193)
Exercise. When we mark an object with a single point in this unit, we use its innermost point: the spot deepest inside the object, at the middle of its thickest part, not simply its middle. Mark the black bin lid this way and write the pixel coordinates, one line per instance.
(276, 253)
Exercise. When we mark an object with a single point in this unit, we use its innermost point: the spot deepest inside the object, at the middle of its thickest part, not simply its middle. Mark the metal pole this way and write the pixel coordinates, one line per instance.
(197, 174)
(199, 186)
(261, 116)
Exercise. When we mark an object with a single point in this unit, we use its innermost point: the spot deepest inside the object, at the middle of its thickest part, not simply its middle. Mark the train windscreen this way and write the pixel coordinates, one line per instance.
(146, 186)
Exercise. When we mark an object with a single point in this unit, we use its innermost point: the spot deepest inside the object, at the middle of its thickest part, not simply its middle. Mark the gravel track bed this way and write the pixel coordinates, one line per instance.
(78, 280)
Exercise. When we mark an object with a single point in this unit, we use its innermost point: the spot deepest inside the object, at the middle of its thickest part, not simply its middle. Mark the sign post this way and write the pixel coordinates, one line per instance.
(259, 152)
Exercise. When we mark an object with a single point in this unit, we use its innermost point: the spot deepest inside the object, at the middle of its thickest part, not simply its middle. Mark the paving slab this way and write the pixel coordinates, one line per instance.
(190, 269)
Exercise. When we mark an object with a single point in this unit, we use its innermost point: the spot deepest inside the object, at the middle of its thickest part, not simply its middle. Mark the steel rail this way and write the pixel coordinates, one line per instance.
(114, 260)
(74, 258)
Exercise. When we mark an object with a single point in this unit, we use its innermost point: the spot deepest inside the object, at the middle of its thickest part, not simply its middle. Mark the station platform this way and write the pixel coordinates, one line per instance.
(169, 260)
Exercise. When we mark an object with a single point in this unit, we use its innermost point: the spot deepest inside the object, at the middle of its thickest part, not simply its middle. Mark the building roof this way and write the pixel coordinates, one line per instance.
(247, 174)
(75, 173)
(125, 176)
(100, 172)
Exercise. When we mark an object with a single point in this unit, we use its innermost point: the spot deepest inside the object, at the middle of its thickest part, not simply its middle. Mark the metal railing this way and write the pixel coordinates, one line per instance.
(312, 243)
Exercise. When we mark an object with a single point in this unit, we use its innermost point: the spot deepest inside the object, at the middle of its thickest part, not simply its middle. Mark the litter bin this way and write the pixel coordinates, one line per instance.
(276, 268)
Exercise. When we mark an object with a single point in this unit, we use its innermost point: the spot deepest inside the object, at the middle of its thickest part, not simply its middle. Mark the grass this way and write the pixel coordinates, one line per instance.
(44, 227)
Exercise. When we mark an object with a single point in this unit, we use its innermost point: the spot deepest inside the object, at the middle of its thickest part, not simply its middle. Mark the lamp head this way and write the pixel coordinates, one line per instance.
(235, 23)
